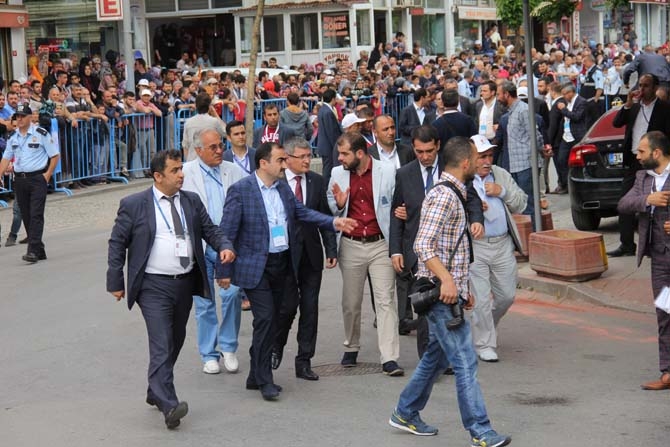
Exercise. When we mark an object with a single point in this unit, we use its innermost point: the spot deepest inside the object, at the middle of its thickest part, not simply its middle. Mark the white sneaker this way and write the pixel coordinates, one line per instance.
(211, 367)
(230, 362)
(488, 355)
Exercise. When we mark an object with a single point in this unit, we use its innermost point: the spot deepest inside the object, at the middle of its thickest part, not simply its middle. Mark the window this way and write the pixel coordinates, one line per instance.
(159, 6)
(226, 3)
(193, 4)
(273, 30)
(304, 32)
(335, 30)
(363, 27)
(246, 31)
(429, 30)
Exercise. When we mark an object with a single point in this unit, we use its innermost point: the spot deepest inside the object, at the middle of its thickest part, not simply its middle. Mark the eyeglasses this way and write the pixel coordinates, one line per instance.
(215, 147)
(302, 157)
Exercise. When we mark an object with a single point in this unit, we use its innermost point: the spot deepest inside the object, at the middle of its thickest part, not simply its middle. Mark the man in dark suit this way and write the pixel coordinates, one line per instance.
(271, 130)
(555, 130)
(386, 148)
(453, 123)
(260, 217)
(412, 183)
(329, 132)
(464, 103)
(310, 189)
(640, 117)
(239, 153)
(650, 197)
(415, 115)
(573, 111)
(160, 230)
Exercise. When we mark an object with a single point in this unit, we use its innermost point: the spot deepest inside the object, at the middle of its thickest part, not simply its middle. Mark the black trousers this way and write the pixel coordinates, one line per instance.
(31, 193)
(303, 295)
(266, 300)
(403, 282)
(660, 276)
(166, 307)
(627, 221)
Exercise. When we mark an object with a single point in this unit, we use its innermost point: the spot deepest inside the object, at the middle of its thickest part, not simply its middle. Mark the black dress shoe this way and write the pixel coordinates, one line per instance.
(306, 373)
(253, 386)
(173, 417)
(24, 240)
(269, 391)
(406, 325)
(30, 257)
(152, 402)
(349, 359)
(277, 355)
(622, 251)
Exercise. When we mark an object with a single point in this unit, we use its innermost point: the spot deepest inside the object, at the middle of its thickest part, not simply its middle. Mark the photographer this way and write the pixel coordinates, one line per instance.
(443, 222)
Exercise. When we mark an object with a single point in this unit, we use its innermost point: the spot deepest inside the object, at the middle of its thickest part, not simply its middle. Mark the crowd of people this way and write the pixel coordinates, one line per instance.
(424, 162)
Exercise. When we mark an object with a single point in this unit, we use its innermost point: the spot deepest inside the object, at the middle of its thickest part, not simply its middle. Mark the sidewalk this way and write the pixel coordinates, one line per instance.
(622, 286)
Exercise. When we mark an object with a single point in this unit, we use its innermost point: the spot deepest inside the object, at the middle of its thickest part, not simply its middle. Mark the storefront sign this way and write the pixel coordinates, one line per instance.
(13, 19)
(336, 26)
(109, 10)
(465, 13)
(329, 59)
(598, 5)
(657, 2)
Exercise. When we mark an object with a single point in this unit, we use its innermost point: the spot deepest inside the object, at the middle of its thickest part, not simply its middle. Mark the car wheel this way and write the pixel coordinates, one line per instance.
(585, 220)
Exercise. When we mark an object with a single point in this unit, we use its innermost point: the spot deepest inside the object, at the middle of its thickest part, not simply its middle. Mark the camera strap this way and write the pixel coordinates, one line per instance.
(455, 189)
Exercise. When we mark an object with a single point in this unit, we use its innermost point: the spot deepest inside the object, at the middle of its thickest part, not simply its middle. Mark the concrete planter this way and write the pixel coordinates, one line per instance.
(525, 229)
(568, 255)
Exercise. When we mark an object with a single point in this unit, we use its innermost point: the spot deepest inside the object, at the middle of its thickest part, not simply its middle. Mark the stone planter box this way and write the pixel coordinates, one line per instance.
(524, 226)
(568, 255)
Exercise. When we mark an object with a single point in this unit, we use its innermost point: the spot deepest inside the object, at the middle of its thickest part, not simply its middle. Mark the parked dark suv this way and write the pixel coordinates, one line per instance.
(596, 172)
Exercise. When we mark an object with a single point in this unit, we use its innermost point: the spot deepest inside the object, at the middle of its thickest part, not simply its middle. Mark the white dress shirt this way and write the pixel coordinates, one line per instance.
(391, 157)
(290, 178)
(163, 258)
(641, 123)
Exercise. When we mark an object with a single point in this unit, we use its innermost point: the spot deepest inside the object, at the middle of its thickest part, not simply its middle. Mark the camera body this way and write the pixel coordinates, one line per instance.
(426, 292)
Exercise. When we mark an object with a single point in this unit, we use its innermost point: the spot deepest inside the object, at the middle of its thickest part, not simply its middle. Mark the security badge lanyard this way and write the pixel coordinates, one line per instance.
(180, 247)
(244, 164)
(277, 228)
(209, 174)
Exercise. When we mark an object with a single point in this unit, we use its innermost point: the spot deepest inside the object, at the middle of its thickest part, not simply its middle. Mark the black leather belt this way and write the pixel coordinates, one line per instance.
(365, 239)
(30, 174)
(179, 276)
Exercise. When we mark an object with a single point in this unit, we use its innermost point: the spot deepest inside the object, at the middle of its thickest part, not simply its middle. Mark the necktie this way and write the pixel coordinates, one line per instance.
(298, 188)
(429, 177)
(178, 229)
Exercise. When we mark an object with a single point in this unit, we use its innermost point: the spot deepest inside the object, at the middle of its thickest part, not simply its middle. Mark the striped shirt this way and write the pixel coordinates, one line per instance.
(442, 222)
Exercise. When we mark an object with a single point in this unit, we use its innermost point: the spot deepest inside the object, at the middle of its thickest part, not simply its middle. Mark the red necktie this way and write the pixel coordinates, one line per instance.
(298, 188)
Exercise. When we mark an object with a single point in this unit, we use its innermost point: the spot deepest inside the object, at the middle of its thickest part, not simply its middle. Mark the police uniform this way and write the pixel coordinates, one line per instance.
(590, 82)
(32, 153)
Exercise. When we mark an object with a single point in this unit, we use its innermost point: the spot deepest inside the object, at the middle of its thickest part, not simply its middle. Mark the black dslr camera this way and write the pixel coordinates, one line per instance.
(425, 292)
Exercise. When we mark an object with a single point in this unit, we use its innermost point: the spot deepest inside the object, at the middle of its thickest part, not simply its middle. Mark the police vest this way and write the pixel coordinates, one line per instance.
(588, 87)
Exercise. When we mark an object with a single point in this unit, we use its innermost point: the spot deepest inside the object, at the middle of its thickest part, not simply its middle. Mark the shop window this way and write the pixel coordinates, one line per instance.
(439, 4)
(273, 30)
(226, 3)
(304, 32)
(335, 28)
(430, 30)
(363, 27)
(193, 4)
(159, 6)
(246, 31)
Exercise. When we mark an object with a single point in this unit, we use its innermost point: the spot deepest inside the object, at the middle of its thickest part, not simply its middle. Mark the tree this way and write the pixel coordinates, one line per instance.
(511, 14)
(251, 77)
(553, 11)
(616, 4)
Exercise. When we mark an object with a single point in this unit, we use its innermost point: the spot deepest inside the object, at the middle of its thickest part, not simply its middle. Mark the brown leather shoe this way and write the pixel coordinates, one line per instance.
(656, 385)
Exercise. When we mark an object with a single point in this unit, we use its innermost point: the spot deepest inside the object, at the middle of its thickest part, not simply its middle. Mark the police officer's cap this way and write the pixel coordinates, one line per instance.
(23, 109)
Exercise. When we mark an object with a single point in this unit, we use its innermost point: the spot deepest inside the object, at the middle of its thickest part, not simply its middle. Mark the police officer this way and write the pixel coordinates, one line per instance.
(592, 83)
(35, 157)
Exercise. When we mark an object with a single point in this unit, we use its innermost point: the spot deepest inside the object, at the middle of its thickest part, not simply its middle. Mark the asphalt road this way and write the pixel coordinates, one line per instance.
(74, 366)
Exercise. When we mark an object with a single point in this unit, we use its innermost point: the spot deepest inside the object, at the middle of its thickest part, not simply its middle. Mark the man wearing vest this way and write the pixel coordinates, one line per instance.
(592, 83)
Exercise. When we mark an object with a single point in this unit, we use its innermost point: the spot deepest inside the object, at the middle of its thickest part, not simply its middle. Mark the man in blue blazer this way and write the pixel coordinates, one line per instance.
(260, 218)
(159, 232)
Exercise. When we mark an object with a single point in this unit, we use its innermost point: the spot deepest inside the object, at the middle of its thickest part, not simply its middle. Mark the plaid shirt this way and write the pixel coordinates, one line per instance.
(442, 222)
(518, 137)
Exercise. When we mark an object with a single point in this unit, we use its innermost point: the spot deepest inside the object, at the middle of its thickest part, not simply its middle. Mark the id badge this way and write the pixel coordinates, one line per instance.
(180, 247)
(278, 234)
(482, 129)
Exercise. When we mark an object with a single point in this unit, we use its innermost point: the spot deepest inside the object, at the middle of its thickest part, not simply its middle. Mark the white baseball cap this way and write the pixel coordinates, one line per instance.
(145, 92)
(482, 143)
(350, 119)
(143, 82)
(522, 92)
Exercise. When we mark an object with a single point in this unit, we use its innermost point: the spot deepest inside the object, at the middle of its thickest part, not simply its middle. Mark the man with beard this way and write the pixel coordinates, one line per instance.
(443, 223)
(650, 197)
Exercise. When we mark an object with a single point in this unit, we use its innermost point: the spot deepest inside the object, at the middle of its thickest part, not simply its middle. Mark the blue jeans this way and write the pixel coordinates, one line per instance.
(447, 347)
(209, 331)
(525, 181)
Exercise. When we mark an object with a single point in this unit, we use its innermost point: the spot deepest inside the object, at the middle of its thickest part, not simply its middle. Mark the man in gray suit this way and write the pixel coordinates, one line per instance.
(650, 197)
(649, 62)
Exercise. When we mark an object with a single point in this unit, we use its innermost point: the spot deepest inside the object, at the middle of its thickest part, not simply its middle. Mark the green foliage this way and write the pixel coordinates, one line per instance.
(511, 11)
(615, 4)
(552, 11)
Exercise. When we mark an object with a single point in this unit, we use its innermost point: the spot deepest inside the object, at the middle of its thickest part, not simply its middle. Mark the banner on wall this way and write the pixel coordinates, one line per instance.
(109, 9)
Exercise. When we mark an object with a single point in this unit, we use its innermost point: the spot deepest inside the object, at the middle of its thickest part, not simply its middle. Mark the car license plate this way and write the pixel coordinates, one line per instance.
(615, 158)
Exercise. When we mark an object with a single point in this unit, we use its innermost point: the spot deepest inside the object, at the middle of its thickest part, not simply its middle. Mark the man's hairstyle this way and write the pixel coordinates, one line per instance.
(569, 86)
(328, 95)
(509, 87)
(658, 140)
(425, 134)
(355, 140)
(450, 98)
(420, 93)
(492, 85)
(264, 152)
(182, 91)
(270, 106)
(35, 81)
(141, 61)
(231, 124)
(61, 73)
(556, 87)
(456, 150)
(293, 98)
(366, 112)
(262, 74)
(202, 102)
(125, 95)
(378, 117)
(653, 77)
(197, 137)
(159, 161)
(546, 79)
(292, 143)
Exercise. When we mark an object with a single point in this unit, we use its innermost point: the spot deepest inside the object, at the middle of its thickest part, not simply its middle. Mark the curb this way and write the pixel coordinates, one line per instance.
(571, 291)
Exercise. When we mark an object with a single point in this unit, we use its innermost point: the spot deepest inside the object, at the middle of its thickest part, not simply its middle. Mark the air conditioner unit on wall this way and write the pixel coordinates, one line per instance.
(408, 3)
